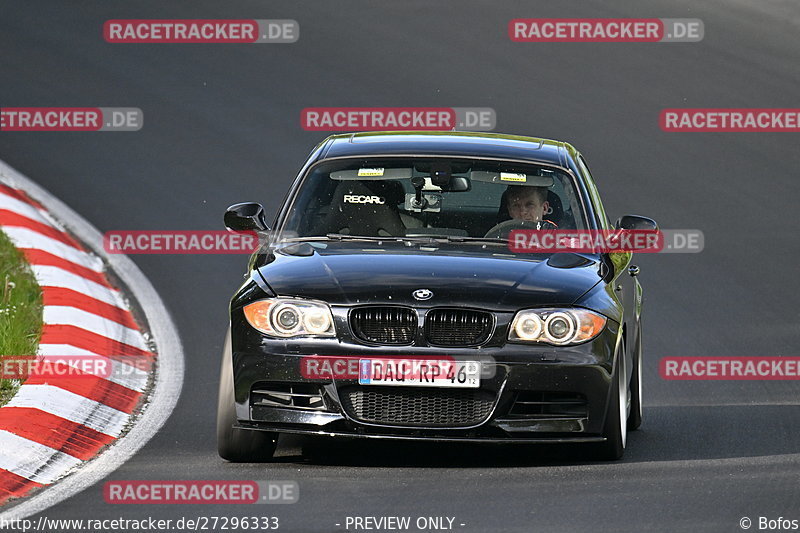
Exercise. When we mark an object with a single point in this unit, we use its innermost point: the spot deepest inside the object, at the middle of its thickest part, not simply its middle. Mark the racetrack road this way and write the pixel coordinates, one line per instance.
(222, 125)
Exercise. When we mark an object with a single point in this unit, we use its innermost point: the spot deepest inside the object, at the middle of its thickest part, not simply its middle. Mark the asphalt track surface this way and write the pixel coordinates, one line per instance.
(222, 125)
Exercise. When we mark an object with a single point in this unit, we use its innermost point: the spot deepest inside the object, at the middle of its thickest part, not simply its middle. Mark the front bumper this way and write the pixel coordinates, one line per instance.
(509, 373)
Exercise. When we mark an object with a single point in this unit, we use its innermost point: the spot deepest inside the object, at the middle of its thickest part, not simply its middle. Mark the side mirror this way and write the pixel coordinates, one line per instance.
(247, 216)
(636, 222)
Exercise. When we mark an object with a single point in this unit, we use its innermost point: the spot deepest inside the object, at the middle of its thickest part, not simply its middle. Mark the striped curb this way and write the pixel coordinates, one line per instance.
(54, 425)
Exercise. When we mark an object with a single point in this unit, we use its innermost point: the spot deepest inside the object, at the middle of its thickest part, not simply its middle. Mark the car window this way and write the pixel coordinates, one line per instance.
(456, 198)
(593, 192)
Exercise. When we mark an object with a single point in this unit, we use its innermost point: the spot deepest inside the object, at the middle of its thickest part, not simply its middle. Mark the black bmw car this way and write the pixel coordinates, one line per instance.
(386, 302)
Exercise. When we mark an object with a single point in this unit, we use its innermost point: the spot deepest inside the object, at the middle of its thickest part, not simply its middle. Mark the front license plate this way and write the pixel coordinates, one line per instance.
(420, 373)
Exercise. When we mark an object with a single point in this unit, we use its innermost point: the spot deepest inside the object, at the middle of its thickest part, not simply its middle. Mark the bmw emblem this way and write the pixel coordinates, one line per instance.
(423, 294)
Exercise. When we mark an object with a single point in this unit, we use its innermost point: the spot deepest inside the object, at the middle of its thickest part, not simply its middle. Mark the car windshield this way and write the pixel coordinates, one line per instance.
(453, 199)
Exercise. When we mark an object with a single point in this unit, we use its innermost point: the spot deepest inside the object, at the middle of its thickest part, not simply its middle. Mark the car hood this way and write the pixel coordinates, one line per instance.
(362, 277)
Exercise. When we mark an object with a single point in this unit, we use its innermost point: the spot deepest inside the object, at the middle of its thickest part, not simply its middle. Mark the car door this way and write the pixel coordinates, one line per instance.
(624, 284)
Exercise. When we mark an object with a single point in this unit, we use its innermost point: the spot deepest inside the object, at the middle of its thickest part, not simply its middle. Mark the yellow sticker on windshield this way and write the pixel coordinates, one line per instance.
(370, 172)
(509, 176)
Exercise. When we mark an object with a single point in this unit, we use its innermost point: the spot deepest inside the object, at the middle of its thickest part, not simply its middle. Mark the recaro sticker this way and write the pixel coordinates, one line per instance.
(362, 199)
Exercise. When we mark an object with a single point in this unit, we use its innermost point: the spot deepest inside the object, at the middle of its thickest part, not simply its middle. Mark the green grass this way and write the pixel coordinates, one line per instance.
(20, 310)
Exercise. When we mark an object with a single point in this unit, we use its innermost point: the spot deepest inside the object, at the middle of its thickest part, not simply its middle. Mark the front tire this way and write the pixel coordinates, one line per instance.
(615, 429)
(238, 445)
(635, 418)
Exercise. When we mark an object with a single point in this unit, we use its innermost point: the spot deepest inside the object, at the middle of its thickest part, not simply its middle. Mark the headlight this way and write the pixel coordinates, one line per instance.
(287, 317)
(559, 327)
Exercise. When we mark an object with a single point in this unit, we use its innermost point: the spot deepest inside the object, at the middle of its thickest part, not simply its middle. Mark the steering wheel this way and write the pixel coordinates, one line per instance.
(502, 230)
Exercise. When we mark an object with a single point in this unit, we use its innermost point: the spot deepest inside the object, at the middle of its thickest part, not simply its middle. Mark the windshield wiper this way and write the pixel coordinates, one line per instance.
(427, 239)
(368, 238)
(488, 240)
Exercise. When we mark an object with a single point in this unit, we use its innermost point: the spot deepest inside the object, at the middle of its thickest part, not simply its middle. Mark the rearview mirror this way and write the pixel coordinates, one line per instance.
(247, 216)
(636, 222)
(456, 184)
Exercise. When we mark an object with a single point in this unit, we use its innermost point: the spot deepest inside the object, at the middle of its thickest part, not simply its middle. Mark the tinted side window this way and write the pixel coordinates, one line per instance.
(595, 195)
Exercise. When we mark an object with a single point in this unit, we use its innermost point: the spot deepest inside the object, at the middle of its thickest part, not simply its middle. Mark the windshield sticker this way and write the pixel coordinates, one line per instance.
(370, 172)
(509, 176)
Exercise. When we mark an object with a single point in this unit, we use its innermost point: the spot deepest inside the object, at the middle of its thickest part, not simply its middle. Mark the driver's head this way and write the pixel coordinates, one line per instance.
(527, 203)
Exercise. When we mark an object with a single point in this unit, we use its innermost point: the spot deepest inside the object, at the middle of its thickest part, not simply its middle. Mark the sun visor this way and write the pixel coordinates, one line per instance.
(373, 173)
(512, 178)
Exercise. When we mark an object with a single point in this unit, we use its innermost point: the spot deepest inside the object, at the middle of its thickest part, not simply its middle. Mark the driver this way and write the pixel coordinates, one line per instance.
(528, 204)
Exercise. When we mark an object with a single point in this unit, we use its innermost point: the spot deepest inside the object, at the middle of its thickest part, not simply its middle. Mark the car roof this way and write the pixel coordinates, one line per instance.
(448, 143)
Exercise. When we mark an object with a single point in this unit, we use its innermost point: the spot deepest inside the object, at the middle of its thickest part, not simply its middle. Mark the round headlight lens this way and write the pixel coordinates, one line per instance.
(529, 327)
(286, 318)
(317, 321)
(559, 328)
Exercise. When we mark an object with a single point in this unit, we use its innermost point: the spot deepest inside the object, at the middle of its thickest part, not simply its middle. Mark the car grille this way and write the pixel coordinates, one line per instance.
(384, 325)
(400, 406)
(457, 327)
(549, 405)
